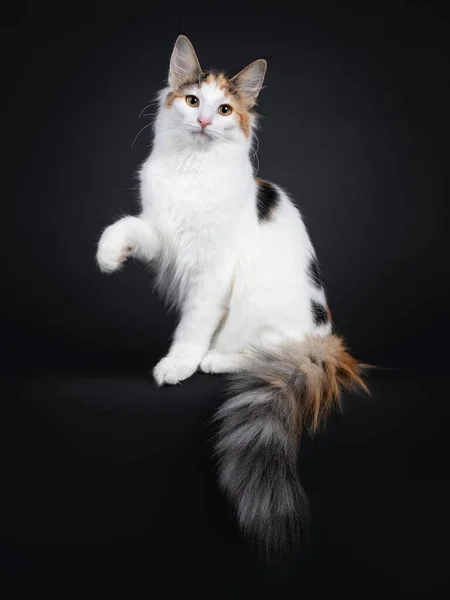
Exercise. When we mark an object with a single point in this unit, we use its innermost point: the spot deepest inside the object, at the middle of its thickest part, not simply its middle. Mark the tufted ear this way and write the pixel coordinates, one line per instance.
(184, 65)
(248, 82)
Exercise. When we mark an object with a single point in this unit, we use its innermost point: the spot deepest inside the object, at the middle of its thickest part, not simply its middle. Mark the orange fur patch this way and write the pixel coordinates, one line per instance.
(222, 82)
(171, 97)
(244, 121)
(242, 116)
(327, 369)
(340, 372)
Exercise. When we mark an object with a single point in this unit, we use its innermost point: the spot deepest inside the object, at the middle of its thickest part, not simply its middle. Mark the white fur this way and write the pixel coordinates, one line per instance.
(238, 283)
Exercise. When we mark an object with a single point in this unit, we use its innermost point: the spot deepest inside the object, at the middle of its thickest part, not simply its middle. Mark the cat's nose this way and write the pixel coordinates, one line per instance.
(204, 121)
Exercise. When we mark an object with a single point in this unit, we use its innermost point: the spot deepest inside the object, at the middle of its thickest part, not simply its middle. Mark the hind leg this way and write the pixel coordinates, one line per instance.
(222, 362)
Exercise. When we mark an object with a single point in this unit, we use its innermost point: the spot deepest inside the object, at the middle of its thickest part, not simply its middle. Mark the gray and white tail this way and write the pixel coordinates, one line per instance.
(279, 394)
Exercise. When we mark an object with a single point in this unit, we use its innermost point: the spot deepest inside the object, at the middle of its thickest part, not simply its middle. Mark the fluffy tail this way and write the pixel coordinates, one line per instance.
(278, 395)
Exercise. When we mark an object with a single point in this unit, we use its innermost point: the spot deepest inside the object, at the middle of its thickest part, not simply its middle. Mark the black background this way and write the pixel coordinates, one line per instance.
(101, 470)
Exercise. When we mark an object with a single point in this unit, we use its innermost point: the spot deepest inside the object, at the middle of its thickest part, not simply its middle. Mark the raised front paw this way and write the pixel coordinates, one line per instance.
(172, 370)
(113, 249)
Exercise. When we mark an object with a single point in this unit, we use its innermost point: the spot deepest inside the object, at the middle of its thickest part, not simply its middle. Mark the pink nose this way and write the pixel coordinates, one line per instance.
(204, 122)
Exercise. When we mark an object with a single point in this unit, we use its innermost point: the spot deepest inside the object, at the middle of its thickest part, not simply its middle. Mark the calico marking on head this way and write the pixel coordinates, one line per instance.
(213, 91)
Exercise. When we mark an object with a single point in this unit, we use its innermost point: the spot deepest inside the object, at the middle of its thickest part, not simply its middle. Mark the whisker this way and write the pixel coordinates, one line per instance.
(152, 103)
(145, 108)
(139, 133)
(255, 157)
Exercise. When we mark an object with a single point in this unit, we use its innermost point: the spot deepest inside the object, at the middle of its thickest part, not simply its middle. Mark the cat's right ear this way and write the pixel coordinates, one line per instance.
(184, 65)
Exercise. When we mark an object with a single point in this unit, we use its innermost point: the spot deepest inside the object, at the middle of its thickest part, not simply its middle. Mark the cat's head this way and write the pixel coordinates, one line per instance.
(203, 108)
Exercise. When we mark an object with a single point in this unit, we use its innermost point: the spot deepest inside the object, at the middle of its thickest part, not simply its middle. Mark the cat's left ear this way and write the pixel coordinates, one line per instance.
(184, 65)
(248, 82)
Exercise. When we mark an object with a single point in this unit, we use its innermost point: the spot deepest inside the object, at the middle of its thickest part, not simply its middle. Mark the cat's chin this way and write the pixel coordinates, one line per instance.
(201, 136)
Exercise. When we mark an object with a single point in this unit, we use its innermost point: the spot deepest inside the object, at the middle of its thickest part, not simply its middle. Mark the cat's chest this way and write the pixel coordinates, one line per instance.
(196, 192)
(198, 201)
(187, 205)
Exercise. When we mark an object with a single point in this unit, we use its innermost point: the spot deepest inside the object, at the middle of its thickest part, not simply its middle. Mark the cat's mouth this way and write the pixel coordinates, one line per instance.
(202, 134)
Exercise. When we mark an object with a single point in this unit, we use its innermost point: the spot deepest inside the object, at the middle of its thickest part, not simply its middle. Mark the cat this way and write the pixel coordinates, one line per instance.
(232, 254)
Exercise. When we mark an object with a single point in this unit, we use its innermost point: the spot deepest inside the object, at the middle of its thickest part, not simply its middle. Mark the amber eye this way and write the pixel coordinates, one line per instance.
(225, 110)
(192, 101)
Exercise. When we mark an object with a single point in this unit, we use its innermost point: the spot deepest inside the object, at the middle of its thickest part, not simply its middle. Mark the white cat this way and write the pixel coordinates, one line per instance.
(232, 253)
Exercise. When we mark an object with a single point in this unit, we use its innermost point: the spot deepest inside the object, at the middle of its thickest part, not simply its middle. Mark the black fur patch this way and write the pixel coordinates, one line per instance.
(197, 81)
(267, 200)
(319, 313)
(203, 77)
(314, 273)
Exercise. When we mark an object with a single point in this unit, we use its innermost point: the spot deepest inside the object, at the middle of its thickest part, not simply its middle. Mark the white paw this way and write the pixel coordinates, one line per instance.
(172, 370)
(217, 362)
(113, 249)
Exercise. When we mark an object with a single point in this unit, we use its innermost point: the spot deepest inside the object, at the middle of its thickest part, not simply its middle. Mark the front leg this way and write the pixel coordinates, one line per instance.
(200, 317)
(130, 236)
(223, 362)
